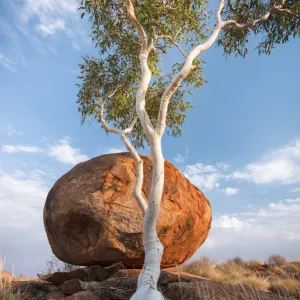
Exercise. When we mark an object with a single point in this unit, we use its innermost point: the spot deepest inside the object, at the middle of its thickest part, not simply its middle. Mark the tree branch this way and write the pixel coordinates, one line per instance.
(172, 40)
(146, 73)
(136, 24)
(138, 161)
(274, 9)
(185, 71)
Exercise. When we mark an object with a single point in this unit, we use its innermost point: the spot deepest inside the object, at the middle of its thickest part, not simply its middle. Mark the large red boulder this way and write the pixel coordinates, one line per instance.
(92, 218)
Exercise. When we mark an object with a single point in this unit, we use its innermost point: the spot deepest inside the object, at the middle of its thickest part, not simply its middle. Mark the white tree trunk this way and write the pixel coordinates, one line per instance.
(148, 278)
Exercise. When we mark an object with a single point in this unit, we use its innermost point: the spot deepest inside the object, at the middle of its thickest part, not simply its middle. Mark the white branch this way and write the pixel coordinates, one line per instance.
(138, 161)
(146, 73)
(185, 71)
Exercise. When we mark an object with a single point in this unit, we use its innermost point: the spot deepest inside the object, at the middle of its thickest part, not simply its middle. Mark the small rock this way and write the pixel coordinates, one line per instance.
(26, 296)
(57, 295)
(71, 287)
(50, 288)
(85, 295)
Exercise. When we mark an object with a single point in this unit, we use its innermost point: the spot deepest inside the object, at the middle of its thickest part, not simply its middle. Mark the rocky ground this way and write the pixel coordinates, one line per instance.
(115, 283)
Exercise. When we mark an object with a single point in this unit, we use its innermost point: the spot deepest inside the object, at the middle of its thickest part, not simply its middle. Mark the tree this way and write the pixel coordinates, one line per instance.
(133, 36)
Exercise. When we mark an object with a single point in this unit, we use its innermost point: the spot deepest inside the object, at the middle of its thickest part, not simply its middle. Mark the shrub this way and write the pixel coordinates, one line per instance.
(286, 287)
(237, 260)
(277, 270)
(276, 260)
(56, 265)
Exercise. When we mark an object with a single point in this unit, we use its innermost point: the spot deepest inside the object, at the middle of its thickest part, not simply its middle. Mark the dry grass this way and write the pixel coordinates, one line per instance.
(5, 283)
(229, 272)
(277, 270)
(286, 287)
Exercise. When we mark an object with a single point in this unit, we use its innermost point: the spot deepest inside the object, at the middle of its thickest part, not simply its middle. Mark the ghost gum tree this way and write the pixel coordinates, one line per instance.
(130, 94)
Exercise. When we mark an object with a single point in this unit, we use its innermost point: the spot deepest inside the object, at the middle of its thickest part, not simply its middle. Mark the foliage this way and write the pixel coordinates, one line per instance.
(277, 29)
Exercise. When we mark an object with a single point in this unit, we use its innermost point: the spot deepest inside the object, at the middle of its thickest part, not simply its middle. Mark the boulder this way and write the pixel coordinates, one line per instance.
(92, 218)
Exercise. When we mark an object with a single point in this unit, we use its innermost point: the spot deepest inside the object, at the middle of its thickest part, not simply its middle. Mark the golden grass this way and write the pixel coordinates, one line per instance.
(286, 287)
(277, 270)
(229, 272)
(5, 283)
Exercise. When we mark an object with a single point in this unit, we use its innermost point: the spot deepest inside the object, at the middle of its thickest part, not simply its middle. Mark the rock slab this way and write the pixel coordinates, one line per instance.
(92, 218)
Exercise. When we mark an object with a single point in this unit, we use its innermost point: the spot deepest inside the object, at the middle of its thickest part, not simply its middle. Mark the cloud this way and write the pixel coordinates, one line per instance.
(24, 192)
(116, 150)
(50, 29)
(255, 234)
(296, 190)
(11, 56)
(292, 235)
(21, 148)
(22, 198)
(113, 150)
(180, 159)
(206, 177)
(47, 15)
(6, 62)
(230, 191)
(46, 18)
(230, 223)
(63, 152)
(13, 132)
(281, 165)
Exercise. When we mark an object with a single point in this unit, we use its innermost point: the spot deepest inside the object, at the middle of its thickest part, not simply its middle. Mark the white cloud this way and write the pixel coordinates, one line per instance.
(63, 152)
(292, 235)
(29, 191)
(179, 159)
(7, 62)
(296, 190)
(51, 28)
(47, 18)
(113, 150)
(116, 150)
(13, 132)
(207, 182)
(199, 168)
(293, 200)
(230, 223)
(206, 177)
(21, 148)
(230, 191)
(281, 165)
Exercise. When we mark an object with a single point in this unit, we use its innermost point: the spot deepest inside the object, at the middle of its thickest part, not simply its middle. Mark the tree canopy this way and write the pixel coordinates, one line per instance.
(114, 76)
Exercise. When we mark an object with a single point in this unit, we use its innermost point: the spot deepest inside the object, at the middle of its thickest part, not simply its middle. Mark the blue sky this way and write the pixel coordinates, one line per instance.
(240, 144)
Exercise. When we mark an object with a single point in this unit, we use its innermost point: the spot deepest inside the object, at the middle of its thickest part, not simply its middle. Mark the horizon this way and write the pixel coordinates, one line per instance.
(240, 144)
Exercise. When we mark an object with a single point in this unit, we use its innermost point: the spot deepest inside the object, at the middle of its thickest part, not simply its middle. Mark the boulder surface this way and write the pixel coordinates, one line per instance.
(92, 218)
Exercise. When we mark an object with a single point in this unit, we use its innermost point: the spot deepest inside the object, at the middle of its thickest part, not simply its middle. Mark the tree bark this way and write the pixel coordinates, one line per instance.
(148, 278)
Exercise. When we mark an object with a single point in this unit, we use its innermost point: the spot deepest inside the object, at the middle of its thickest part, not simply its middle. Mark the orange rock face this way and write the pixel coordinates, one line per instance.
(92, 218)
